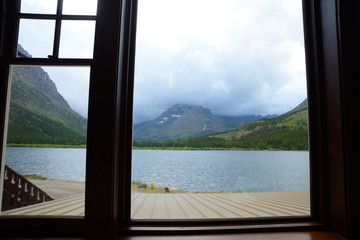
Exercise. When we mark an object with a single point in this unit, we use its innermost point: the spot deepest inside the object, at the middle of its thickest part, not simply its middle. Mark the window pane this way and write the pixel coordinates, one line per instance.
(46, 141)
(228, 80)
(77, 39)
(39, 6)
(80, 7)
(37, 37)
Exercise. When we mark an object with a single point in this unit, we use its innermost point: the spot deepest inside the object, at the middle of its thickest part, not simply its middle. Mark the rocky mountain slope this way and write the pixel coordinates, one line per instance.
(185, 121)
(38, 112)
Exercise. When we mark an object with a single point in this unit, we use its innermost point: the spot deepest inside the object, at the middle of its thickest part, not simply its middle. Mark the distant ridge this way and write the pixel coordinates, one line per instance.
(285, 132)
(186, 121)
(180, 121)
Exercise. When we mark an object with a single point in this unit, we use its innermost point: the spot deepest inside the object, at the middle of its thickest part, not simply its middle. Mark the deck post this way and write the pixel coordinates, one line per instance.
(8, 33)
(2, 160)
(2, 170)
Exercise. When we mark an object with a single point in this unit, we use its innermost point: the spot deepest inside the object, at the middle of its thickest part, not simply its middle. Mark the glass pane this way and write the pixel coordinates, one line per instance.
(77, 39)
(39, 6)
(37, 37)
(46, 141)
(80, 7)
(227, 82)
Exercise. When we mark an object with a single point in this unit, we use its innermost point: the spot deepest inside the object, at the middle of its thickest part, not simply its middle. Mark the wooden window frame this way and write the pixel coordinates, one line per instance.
(10, 19)
(109, 142)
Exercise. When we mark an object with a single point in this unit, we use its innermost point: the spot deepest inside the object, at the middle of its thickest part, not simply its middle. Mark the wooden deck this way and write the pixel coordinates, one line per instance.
(188, 206)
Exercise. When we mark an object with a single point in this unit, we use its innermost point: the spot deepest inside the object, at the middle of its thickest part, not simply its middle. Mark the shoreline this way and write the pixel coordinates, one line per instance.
(218, 149)
(31, 145)
(63, 189)
(151, 148)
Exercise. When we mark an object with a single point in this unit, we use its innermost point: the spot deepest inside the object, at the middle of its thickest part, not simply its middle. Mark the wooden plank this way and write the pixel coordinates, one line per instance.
(295, 199)
(146, 209)
(188, 209)
(206, 211)
(261, 206)
(176, 211)
(45, 207)
(188, 206)
(278, 206)
(225, 210)
(137, 202)
(160, 209)
(243, 204)
(234, 207)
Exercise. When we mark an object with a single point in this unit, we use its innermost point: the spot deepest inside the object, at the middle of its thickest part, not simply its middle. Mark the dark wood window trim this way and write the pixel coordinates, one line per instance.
(329, 47)
(350, 55)
(328, 190)
(127, 97)
(10, 17)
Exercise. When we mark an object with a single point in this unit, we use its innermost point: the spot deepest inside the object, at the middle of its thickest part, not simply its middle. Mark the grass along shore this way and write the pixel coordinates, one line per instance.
(143, 148)
(33, 145)
(35, 177)
(44, 145)
(212, 148)
(52, 186)
(143, 187)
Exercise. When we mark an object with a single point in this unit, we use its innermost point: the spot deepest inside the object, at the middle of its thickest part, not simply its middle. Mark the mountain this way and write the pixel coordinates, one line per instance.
(185, 121)
(285, 132)
(288, 131)
(179, 121)
(292, 120)
(233, 121)
(38, 112)
(301, 106)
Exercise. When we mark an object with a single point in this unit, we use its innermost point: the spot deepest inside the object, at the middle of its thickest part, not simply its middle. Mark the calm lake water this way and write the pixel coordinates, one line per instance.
(189, 170)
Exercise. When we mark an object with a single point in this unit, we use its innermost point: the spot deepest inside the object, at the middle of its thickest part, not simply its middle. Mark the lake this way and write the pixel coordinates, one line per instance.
(211, 170)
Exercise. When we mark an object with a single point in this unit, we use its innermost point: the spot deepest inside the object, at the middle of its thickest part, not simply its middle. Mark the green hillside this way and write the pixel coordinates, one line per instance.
(26, 127)
(39, 114)
(286, 132)
(29, 97)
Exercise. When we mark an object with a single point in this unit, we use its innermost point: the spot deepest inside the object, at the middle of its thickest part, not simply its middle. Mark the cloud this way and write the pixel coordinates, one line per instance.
(236, 58)
(80, 7)
(37, 36)
(77, 39)
(38, 6)
(71, 7)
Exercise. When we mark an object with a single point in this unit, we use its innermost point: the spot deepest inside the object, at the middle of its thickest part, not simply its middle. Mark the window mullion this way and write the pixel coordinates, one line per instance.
(57, 30)
(51, 62)
(37, 16)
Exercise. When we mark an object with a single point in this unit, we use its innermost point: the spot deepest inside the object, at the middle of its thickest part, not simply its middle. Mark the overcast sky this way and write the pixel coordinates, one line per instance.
(235, 57)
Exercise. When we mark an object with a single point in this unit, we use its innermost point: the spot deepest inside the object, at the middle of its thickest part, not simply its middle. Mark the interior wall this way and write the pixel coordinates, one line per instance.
(349, 24)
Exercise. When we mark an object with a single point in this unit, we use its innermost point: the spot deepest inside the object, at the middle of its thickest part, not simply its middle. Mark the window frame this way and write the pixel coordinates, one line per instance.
(142, 226)
(10, 19)
(110, 106)
(320, 19)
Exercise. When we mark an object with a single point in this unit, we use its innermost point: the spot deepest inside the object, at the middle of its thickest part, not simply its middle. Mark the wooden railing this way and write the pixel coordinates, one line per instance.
(20, 192)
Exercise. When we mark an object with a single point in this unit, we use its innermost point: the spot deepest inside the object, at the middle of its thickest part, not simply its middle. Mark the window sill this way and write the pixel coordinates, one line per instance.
(298, 235)
(306, 235)
(222, 229)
